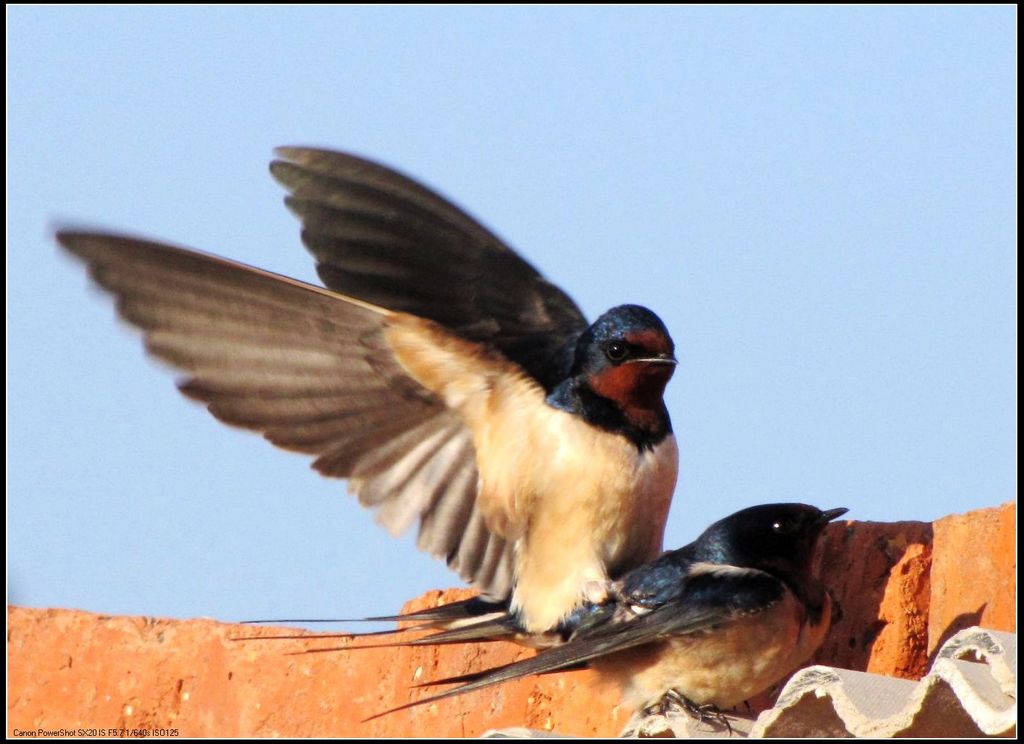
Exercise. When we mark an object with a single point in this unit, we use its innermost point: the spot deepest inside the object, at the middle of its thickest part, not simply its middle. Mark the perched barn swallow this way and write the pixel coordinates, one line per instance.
(439, 372)
(711, 624)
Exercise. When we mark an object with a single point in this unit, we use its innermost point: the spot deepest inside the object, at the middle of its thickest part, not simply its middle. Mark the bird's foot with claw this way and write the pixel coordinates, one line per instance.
(674, 714)
(597, 591)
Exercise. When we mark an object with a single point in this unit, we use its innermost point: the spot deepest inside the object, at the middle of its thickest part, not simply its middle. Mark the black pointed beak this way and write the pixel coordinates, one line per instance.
(657, 359)
(828, 516)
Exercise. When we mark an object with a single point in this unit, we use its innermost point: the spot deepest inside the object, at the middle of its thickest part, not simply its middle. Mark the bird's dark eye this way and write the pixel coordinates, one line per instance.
(783, 526)
(616, 351)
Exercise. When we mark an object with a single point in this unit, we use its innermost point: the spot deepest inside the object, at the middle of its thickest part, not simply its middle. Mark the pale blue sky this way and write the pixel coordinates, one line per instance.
(819, 202)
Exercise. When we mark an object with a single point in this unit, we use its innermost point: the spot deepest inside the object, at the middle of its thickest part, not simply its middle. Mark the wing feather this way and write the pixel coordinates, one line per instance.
(379, 235)
(311, 371)
(705, 601)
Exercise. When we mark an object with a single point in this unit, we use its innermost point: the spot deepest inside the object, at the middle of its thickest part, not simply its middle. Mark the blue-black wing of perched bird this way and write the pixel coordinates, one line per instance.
(439, 372)
(717, 621)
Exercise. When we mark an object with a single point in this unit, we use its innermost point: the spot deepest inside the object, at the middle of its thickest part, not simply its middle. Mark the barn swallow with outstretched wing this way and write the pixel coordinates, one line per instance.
(711, 624)
(438, 372)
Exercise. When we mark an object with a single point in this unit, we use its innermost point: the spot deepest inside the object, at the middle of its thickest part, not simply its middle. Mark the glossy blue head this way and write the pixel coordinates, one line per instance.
(626, 356)
(769, 536)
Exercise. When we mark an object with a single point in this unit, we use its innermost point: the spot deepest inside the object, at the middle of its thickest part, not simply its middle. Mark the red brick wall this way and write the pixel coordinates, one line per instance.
(903, 587)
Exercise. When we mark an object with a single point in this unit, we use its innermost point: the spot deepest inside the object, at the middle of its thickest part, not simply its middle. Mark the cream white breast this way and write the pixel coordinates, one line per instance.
(574, 499)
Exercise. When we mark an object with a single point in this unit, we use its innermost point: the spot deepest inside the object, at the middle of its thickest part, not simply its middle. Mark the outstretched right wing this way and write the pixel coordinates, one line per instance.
(311, 370)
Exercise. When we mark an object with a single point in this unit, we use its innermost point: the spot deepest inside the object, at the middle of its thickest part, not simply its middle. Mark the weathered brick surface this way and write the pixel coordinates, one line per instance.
(974, 573)
(879, 574)
(77, 670)
(902, 588)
